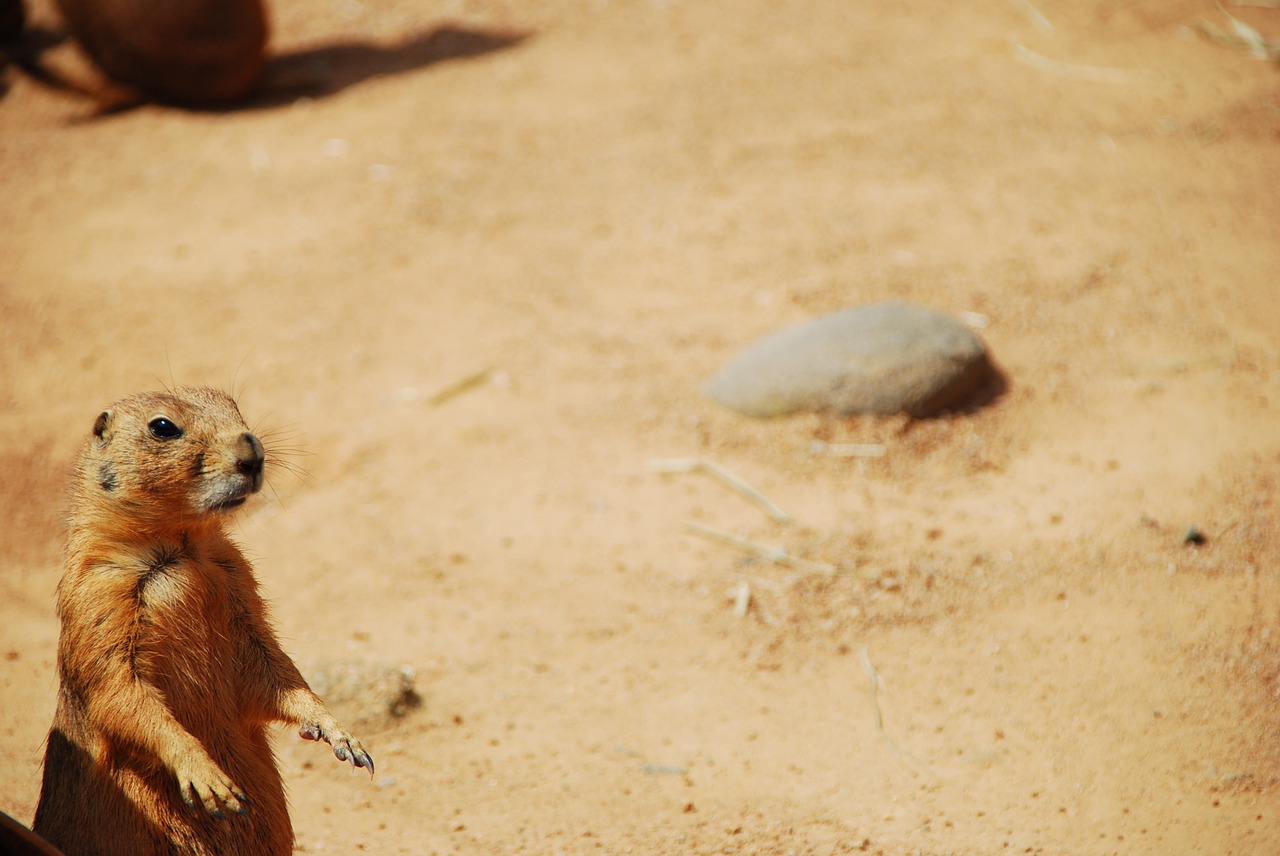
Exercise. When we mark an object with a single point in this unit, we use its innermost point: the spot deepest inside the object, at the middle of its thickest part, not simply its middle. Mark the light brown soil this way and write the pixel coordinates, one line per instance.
(596, 203)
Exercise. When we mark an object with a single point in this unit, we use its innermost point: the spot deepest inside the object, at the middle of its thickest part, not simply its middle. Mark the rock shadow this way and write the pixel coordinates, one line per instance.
(989, 390)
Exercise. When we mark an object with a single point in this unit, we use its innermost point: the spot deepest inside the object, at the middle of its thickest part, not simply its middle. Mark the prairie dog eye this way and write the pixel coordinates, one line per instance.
(164, 429)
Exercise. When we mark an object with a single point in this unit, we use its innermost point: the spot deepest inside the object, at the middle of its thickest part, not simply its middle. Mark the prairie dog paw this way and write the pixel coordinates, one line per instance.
(345, 746)
(202, 783)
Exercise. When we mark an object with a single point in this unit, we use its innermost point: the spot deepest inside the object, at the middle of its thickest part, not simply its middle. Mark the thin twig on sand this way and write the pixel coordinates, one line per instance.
(1086, 73)
(1195, 362)
(458, 387)
(726, 478)
(777, 555)
(847, 450)
(742, 598)
(1037, 17)
(873, 692)
(1241, 36)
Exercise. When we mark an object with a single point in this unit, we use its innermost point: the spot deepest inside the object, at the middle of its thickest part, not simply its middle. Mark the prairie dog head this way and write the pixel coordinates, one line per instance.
(174, 459)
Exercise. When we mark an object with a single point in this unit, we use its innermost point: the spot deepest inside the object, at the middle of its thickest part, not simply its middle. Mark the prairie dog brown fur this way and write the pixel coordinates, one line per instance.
(169, 671)
(13, 17)
(195, 52)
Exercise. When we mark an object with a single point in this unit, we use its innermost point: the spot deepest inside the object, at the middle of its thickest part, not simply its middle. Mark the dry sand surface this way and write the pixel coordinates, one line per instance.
(469, 289)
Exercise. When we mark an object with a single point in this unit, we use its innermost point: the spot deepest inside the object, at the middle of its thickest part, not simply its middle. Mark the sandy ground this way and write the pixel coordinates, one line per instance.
(585, 208)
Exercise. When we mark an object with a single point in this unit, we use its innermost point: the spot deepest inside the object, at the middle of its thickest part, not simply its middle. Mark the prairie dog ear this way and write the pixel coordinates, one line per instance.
(102, 428)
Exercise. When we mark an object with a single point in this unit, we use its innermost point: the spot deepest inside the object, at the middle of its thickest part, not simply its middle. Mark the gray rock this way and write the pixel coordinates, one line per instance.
(884, 358)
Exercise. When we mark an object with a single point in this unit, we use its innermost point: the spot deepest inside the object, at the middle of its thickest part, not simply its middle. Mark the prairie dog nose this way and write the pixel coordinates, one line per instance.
(250, 456)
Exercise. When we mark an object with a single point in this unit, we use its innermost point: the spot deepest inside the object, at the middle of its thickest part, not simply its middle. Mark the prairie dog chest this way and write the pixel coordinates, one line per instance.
(187, 607)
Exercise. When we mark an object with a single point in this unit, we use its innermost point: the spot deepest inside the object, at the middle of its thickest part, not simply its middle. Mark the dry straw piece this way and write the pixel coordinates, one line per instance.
(726, 478)
(777, 555)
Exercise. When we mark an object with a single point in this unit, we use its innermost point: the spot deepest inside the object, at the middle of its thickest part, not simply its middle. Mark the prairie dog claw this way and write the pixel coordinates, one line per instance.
(211, 789)
(345, 746)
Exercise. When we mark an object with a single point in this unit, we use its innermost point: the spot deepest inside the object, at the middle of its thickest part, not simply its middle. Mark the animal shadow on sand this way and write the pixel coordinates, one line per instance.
(23, 47)
(325, 70)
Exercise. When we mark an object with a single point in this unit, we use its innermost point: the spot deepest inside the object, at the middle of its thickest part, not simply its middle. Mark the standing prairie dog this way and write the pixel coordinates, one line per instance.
(169, 671)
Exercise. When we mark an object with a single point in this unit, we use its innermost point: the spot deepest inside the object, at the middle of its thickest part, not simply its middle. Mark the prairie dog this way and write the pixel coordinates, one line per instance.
(194, 52)
(169, 671)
